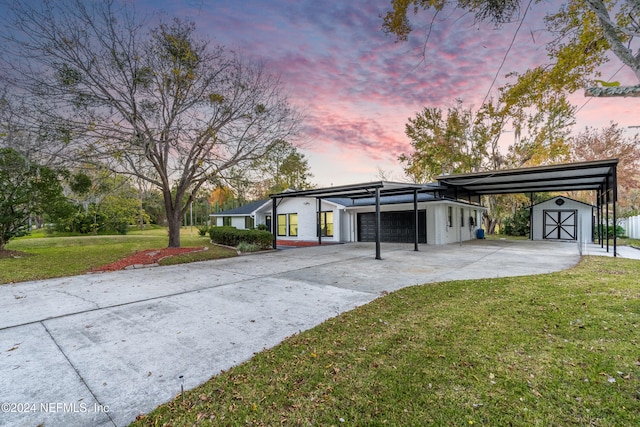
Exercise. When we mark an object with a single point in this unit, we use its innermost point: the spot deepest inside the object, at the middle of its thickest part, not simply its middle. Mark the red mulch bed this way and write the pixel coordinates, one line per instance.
(150, 256)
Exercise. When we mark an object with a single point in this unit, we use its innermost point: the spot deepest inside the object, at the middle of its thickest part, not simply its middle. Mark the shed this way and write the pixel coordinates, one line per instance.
(562, 218)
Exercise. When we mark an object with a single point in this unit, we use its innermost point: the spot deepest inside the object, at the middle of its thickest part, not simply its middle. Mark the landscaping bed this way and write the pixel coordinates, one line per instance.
(145, 258)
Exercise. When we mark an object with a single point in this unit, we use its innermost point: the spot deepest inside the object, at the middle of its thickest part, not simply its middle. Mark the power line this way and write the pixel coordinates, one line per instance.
(504, 59)
(589, 100)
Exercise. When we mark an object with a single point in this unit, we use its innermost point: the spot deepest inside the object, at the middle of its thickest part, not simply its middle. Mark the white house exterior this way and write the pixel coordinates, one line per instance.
(562, 218)
(352, 220)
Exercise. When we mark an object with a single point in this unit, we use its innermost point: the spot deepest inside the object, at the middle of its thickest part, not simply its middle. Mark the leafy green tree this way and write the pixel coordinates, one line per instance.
(610, 142)
(120, 212)
(584, 33)
(283, 167)
(445, 142)
(26, 189)
(158, 103)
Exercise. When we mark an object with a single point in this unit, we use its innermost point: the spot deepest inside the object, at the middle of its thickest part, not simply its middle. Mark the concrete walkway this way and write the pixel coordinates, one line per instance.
(99, 349)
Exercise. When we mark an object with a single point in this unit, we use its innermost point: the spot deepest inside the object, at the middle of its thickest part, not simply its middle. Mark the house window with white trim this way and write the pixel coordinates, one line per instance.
(226, 221)
(450, 217)
(249, 222)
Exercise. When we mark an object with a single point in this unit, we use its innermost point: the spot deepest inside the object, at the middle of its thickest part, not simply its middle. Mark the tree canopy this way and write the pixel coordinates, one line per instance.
(583, 31)
(26, 189)
(153, 101)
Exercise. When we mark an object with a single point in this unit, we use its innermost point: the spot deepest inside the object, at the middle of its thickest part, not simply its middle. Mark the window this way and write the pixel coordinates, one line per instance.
(326, 224)
(282, 225)
(450, 217)
(476, 220)
(293, 224)
(249, 222)
(226, 221)
(461, 217)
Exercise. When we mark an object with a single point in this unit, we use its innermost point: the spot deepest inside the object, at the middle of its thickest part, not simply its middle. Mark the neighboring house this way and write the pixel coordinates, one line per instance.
(346, 219)
(244, 217)
(562, 218)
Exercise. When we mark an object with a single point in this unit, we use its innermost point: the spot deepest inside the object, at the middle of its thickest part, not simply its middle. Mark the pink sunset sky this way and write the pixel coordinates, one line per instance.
(358, 87)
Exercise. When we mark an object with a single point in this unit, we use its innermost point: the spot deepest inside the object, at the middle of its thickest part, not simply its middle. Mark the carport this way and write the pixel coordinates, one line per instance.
(599, 176)
(363, 191)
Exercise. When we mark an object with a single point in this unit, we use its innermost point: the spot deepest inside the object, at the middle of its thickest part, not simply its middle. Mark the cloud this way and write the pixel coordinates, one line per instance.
(357, 85)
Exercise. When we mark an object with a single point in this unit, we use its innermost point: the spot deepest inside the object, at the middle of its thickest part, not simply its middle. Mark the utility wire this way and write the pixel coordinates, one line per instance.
(590, 98)
(504, 59)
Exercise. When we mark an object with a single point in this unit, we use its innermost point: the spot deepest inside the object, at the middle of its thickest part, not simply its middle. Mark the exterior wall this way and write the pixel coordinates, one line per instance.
(306, 209)
(584, 218)
(438, 232)
(460, 229)
(236, 221)
(345, 219)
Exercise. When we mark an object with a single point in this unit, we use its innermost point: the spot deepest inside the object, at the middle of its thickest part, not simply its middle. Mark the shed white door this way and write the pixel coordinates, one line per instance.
(560, 224)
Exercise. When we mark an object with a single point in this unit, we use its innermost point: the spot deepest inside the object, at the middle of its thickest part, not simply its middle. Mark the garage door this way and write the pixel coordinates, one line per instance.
(397, 227)
(560, 224)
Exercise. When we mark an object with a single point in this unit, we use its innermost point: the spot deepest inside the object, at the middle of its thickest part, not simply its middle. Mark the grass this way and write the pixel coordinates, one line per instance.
(46, 257)
(555, 349)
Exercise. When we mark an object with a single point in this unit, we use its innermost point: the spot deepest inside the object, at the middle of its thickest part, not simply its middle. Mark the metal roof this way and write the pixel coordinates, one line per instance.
(360, 191)
(565, 177)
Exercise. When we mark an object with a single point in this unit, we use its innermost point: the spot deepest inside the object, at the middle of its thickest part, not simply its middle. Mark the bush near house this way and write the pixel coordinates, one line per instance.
(231, 236)
(609, 231)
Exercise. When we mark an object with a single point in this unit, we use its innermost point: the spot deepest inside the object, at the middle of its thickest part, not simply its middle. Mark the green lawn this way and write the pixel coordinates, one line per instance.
(555, 349)
(45, 257)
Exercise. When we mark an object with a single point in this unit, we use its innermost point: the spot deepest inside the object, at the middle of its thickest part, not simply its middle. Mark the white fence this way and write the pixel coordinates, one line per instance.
(631, 226)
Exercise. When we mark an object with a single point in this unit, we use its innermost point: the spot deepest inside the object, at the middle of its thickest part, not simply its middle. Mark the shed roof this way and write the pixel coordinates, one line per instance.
(563, 197)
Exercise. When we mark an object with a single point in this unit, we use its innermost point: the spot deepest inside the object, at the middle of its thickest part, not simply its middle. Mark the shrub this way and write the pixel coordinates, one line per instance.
(248, 247)
(231, 236)
(609, 231)
(518, 224)
(203, 230)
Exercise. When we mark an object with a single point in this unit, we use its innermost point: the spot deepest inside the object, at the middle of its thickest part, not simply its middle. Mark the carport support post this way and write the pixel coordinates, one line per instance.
(607, 214)
(615, 221)
(378, 230)
(415, 218)
(530, 216)
(274, 222)
(599, 215)
(319, 223)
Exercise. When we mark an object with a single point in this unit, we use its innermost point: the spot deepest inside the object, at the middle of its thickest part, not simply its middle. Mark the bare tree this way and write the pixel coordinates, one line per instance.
(155, 102)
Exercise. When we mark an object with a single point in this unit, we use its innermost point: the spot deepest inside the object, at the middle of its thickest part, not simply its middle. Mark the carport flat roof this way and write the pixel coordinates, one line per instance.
(593, 175)
(364, 190)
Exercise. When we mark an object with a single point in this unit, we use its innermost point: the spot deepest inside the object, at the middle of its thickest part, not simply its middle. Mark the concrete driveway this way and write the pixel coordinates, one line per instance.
(99, 349)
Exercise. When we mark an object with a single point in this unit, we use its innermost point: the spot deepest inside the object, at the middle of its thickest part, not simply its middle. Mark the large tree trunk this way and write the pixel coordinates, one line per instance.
(174, 219)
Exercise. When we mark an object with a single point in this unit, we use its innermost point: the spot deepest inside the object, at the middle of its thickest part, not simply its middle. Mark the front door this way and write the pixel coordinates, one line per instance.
(560, 224)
